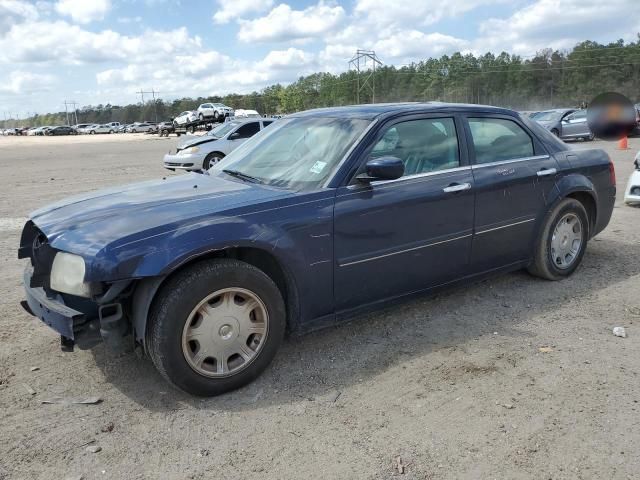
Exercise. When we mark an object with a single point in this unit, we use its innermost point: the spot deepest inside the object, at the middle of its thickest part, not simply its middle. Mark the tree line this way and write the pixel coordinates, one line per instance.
(548, 79)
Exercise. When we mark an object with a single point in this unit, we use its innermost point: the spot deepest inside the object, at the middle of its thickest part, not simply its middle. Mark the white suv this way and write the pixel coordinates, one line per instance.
(217, 111)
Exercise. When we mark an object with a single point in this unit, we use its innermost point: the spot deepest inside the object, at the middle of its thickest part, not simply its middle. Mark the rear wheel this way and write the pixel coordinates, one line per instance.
(562, 241)
(211, 159)
(215, 326)
(555, 132)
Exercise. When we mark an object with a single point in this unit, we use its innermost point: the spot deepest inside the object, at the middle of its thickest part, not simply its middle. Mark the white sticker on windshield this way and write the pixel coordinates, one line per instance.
(318, 167)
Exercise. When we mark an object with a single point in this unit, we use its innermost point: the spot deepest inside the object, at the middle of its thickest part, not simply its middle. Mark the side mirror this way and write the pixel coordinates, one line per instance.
(383, 168)
(234, 136)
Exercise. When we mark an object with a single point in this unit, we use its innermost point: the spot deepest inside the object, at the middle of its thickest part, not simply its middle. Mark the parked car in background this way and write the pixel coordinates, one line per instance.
(632, 192)
(165, 128)
(216, 111)
(80, 126)
(575, 126)
(636, 131)
(552, 119)
(141, 128)
(318, 218)
(242, 113)
(205, 151)
(185, 118)
(96, 129)
(62, 130)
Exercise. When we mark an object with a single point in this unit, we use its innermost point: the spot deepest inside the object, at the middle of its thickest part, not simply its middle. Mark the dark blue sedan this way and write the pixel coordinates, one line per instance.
(321, 216)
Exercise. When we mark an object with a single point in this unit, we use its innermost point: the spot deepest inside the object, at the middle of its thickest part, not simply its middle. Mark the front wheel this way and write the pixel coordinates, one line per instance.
(562, 241)
(211, 159)
(215, 326)
(555, 132)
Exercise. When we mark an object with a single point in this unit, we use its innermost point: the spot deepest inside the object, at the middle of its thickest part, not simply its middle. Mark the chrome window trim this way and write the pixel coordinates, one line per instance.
(411, 177)
(378, 257)
(512, 160)
(505, 226)
(337, 168)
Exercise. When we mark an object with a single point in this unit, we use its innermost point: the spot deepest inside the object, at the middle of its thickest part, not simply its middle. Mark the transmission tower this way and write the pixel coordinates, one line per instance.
(365, 62)
(155, 105)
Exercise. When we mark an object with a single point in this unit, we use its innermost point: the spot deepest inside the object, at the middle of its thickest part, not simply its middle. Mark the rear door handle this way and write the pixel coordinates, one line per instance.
(546, 171)
(456, 187)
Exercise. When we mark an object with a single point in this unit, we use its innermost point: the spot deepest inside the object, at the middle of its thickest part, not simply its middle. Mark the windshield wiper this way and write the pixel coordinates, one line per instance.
(242, 176)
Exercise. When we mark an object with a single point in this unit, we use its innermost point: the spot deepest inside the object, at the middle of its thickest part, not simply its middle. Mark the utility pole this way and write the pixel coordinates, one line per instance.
(155, 107)
(359, 63)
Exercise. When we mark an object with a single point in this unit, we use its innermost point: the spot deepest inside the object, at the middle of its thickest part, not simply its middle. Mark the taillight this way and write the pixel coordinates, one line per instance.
(612, 173)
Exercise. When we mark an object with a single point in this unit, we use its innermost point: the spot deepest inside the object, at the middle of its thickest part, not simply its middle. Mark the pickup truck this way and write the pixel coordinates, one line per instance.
(325, 214)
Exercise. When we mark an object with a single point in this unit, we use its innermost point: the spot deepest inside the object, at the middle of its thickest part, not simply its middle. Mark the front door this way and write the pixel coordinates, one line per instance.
(400, 236)
(513, 177)
(575, 125)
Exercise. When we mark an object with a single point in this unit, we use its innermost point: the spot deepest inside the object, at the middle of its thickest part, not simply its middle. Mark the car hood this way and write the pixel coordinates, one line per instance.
(192, 142)
(86, 224)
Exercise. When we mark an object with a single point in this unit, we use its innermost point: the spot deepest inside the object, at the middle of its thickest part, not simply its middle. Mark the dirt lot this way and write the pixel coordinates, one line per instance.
(455, 385)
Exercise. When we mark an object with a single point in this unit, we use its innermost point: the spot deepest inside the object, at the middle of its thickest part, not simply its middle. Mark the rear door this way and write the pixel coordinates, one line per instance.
(513, 177)
(399, 236)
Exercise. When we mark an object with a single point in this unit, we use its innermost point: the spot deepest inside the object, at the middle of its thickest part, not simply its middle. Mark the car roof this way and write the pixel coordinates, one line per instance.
(380, 110)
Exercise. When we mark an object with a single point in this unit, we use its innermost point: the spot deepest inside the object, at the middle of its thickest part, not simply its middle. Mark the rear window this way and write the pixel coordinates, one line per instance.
(497, 139)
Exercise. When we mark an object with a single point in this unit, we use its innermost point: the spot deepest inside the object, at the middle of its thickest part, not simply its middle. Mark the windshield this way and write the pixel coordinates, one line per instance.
(547, 116)
(295, 153)
(221, 130)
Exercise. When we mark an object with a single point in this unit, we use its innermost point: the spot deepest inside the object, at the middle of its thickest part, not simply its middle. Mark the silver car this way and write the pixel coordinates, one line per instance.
(203, 152)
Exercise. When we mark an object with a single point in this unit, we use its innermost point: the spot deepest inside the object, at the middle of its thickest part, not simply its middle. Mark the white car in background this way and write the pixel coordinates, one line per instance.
(632, 192)
(94, 129)
(185, 118)
(217, 111)
(242, 113)
(140, 127)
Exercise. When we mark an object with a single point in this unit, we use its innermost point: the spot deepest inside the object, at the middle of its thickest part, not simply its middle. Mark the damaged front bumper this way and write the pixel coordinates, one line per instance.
(84, 327)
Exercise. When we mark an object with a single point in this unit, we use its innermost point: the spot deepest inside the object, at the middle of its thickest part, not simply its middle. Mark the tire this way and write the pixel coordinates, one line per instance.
(110, 132)
(555, 132)
(201, 117)
(92, 132)
(550, 263)
(211, 159)
(173, 318)
(133, 130)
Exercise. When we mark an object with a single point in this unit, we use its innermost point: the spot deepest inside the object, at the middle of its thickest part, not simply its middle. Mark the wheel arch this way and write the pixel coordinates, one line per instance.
(147, 288)
(580, 188)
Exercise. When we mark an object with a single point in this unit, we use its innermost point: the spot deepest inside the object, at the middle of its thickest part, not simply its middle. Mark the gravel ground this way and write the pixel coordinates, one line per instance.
(510, 378)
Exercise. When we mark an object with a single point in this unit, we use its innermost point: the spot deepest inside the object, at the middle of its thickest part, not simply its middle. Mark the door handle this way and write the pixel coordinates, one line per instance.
(456, 187)
(546, 171)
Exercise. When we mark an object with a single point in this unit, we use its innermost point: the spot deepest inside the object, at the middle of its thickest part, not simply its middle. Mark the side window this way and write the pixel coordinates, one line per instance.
(424, 146)
(266, 123)
(248, 130)
(496, 139)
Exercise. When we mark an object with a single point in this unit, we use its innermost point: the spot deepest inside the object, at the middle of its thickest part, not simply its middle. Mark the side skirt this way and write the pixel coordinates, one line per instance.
(351, 314)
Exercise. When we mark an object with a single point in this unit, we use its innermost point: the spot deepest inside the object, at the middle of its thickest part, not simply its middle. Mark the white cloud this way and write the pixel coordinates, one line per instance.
(15, 11)
(61, 42)
(382, 13)
(285, 24)
(24, 83)
(230, 10)
(414, 45)
(560, 24)
(84, 11)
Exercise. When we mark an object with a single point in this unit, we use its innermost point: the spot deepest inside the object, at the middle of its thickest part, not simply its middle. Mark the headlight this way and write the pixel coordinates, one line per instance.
(67, 275)
(189, 150)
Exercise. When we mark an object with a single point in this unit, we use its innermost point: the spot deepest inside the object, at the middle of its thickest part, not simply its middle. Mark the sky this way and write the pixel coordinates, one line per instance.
(104, 51)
